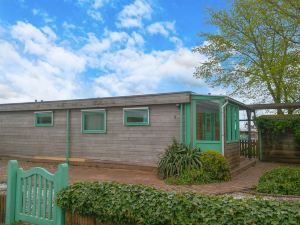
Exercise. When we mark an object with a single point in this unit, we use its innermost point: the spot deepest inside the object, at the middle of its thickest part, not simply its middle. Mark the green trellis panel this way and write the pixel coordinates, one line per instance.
(31, 195)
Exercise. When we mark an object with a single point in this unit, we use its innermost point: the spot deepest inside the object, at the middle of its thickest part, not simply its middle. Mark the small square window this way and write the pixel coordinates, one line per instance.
(43, 119)
(136, 117)
(94, 121)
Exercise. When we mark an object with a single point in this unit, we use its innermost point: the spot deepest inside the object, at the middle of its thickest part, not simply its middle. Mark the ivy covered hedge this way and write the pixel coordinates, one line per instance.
(283, 180)
(276, 125)
(137, 204)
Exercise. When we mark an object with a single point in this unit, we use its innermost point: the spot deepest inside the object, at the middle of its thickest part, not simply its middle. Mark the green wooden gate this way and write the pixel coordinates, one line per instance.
(31, 195)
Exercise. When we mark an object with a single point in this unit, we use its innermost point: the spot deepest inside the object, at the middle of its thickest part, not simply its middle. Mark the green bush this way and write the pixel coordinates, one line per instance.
(136, 204)
(214, 168)
(283, 180)
(178, 158)
(193, 176)
(215, 165)
(276, 125)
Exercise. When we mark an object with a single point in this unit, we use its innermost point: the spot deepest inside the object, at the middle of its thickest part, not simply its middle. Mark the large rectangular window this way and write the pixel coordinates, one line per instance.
(136, 116)
(207, 121)
(43, 119)
(232, 117)
(93, 121)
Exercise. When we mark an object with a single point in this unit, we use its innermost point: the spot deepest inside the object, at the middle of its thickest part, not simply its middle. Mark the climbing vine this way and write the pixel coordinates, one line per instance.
(276, 125)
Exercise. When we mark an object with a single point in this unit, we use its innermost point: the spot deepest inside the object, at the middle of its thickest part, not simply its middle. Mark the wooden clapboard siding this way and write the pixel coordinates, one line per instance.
(135, 145)
(138, 100)
(138, 145)
(231, 150)
(19, 136)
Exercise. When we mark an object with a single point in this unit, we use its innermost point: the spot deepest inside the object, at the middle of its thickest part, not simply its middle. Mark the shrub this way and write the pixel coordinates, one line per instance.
(214, 168)
(215, 165)
(193, 176)
(177, 158)
(137, 204)
(283, 180)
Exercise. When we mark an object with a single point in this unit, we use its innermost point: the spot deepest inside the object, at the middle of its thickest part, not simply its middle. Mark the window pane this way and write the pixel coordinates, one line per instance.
(232, 123)
(43, 118)
(137, 116)
(207, 121)
(94, 121)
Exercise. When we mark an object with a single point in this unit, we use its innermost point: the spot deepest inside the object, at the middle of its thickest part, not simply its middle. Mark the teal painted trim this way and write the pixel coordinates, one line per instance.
(68, 136)
(188, 124)
(11, 192)
(217, 100)
(146, 119)
(86, 112)
(40, 114)
(181, 123)
(205, 144)
(31, 195)
(232, 121)
(61, 179)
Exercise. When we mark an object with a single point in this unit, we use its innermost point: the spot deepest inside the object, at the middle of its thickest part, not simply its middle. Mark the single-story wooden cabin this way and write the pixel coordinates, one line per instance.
(129, 130)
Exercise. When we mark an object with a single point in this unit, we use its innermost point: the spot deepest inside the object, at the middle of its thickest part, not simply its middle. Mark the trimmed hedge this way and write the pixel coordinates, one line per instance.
(283, 180)
(138, 204)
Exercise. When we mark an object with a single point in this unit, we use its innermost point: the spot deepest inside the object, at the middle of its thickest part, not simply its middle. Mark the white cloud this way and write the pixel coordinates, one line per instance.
(135, 72)
(112, 41)
(93, 8)
(43, 14)
(132, 15)
(37, 68)
(68, 26)
(34, 66)
(95, 15)
(37, 42)
(163, 28)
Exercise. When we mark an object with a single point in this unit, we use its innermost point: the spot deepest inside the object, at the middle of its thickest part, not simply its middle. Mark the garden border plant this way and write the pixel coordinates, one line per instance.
(115, 203)
(282, 180)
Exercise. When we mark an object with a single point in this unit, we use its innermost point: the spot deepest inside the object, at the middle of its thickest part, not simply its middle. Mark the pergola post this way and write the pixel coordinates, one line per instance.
(249, 132)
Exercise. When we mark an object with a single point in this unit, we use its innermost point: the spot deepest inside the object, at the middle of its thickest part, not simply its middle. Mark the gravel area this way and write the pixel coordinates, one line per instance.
(251, 194)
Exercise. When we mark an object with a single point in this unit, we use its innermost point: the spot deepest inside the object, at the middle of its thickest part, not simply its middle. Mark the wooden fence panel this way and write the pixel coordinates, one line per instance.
(249, 149)
(2, 208)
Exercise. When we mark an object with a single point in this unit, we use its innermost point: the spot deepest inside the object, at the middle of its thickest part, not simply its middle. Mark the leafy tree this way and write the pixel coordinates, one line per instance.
(255, 51)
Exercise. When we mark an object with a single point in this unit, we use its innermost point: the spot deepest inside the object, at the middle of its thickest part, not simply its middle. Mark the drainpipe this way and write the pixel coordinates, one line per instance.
(222, 126)
(68, 136)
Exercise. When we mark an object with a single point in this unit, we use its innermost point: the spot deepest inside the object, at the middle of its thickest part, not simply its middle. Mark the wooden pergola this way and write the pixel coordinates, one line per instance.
(252, 108)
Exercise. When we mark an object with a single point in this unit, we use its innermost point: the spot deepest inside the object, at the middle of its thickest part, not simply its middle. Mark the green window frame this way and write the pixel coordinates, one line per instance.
(207, 118)
(99, 121)
(143, 111)
(43, 119)
(232, 123)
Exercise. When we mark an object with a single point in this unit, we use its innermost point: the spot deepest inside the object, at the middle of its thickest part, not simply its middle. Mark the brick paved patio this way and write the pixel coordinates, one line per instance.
(244, 180)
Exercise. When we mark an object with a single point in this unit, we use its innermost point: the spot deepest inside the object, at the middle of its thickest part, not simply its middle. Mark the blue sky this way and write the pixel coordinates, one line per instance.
(95, 48)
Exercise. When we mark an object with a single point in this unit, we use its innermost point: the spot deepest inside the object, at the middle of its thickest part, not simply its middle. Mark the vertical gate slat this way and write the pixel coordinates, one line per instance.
(25, 196)
(30, 195)
(40, 197)
(34, 195)
(45, 198)
(50, 199)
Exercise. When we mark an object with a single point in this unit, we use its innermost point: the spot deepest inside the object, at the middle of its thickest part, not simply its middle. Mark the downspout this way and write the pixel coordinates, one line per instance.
(222, 126)
(68, 136)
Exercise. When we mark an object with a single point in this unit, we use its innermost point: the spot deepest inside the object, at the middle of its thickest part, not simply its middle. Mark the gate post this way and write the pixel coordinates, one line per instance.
(11, 191)
(60, 182)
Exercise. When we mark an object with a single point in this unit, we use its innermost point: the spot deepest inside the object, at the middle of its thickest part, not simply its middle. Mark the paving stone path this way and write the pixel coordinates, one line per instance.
(243, 181)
